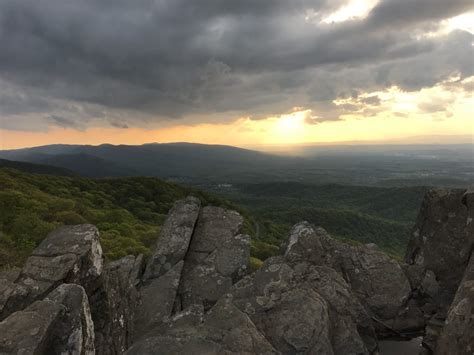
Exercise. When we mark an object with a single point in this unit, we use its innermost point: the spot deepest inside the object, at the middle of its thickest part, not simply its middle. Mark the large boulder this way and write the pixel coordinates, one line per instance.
(303, 308)
(114, 304)
(173, 242)
(223, 330)
(457, 336)
(437, 256)
(157, 299)
(7, 285)
(70, 254)
(199, 254)
(195, 295)
(218, 256)
(375, 279)
(59, 324)
(351, 327)
(443, 238)
(162, 277)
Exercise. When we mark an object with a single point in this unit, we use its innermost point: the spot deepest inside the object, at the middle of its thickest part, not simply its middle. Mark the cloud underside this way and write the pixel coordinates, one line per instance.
(128, 63)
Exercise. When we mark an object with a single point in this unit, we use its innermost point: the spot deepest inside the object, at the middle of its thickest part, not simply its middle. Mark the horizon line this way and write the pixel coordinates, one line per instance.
(466, 140)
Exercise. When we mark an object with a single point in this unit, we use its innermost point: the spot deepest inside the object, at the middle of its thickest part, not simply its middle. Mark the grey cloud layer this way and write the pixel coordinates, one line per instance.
(179, 58)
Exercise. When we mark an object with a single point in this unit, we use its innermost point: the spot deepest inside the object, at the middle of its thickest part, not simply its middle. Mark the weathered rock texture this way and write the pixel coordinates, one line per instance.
(59, 324)
(443, 238)
(163, 271)
(217, 257)
(437, 257)
(173, 242)
(195, 294)
(70, 254)
(114, 305)
(457, 336)
(199, 254)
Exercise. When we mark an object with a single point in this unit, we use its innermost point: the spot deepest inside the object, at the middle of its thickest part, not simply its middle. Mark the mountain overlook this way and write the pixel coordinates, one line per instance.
(196, 293)
(183, 177)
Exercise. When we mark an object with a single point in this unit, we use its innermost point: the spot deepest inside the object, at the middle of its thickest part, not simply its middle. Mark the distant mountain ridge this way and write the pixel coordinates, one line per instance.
(161, 160)
(205, 165)
(35, 168)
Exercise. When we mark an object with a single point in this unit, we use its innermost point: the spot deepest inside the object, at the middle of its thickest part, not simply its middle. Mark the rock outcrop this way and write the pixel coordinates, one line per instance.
(217, 257)
(457, 336)
(114, 305)
(437, 260)
(61, 323)
(196, 295)
(70, 254)
(443, 238)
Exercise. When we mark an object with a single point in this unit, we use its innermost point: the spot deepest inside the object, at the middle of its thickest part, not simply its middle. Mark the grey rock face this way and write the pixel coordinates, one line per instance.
(158, 292)
(174, 238)
(308, 244)
(28, 331)
(437, 256)
(218, 256)
(457, 336)
(10, 275)
(74, 333)
(351, 329)
(223, 330)
(377, 280)
(70, 254)
(157, 298)
(444, 237)
(196, 296)
(7, 285)
(114, 303)
(235, 330)
(187, 343)
(194, 264)
(59, 324)
(304, 308)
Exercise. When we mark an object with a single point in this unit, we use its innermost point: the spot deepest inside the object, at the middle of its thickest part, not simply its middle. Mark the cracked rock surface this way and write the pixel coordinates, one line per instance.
(195, 293)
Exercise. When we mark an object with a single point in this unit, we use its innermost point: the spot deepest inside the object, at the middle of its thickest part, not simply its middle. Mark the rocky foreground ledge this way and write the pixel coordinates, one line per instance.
(196, 295)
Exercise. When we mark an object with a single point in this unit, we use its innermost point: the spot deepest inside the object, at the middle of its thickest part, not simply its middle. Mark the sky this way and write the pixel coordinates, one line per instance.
(247, 72)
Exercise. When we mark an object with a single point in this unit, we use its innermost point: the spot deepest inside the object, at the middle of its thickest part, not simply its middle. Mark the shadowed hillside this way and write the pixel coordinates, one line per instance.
(201, 164)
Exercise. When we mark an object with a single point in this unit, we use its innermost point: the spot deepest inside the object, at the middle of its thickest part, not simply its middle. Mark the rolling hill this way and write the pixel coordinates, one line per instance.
(35, 168)
(127, 211)
(365, 214)
(203, 165)
(179, 161)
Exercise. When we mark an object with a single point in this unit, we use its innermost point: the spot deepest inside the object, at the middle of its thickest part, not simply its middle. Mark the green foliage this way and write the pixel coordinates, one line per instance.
(357, 214)
(255, 263)
(128, 211)
(262, 250)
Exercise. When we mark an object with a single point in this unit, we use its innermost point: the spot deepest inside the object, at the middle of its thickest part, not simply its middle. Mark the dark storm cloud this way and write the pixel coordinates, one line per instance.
(415, 12)
(12, 103)
(117, 124)
(178, 58)
(63, 121)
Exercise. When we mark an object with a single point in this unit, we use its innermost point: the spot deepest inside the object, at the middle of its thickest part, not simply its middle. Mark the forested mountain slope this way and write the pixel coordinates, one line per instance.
(127, 211)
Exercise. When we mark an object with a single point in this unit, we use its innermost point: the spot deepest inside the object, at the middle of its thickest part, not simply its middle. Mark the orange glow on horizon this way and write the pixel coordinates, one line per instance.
(397, 116)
